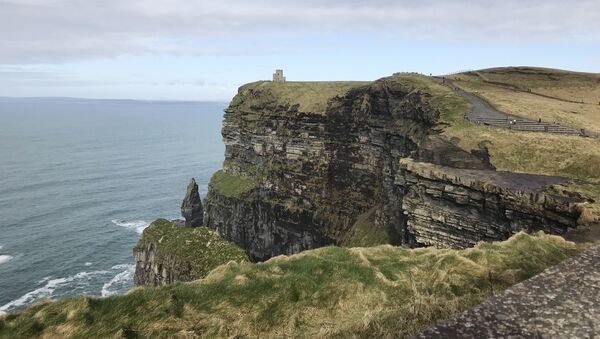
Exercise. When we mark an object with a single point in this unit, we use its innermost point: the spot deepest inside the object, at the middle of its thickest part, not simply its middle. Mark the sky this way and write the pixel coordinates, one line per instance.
(204, 50)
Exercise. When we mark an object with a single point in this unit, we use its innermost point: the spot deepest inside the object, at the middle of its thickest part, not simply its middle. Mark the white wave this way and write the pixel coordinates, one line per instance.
(137, 225)
(88, 264)
(121, 267)
(43, 292)
(44, 279)
(5, 258)
(119, 281)
(77, 281)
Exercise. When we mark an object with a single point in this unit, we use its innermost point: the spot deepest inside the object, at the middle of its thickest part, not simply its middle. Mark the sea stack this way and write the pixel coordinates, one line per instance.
(191, 207)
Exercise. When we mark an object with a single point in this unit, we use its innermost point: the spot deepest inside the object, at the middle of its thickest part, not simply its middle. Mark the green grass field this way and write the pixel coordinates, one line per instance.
(231, 185)
(498, 86)
(311, 97)
(332, 292)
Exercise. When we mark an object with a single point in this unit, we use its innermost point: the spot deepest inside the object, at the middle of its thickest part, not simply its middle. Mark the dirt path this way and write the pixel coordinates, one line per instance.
(483, 113)
(561, 302)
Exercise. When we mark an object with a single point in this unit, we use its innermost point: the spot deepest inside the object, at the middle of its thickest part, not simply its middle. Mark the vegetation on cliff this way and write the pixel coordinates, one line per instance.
(531, 152)
(567, 98)
(182, 253)
(309, 96)
(365, 232)
(232, 186)
(507, 89)
(382, 291)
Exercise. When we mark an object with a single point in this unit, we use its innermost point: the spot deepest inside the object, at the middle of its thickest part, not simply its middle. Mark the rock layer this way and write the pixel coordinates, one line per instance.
(316, 173)
(458, 207)
(167, 252)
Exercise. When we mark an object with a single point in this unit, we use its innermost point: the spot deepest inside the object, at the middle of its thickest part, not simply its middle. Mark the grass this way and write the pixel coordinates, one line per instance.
(311, 97)
(231, 185)
(366, 233)
(566, 85)
(558, 84)
(198, 249)
(517, 151)
(331, 292)
(525, 152)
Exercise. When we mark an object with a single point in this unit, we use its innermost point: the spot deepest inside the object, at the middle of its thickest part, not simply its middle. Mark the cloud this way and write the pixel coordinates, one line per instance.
(56, 31)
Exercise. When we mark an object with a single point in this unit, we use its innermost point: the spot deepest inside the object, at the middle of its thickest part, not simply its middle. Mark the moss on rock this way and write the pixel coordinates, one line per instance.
(168, 252)
(231, 186)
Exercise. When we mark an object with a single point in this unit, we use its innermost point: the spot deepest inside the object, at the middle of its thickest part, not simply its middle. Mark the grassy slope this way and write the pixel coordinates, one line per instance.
(366, 233)
(382, 291)
(517, 151)
(558, 84)
(231, 185)
(199, 248)
(310, 96)
(526, 152)
(573, 86)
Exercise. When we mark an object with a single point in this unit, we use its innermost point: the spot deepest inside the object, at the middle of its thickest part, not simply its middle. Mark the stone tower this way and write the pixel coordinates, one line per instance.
(278, 76)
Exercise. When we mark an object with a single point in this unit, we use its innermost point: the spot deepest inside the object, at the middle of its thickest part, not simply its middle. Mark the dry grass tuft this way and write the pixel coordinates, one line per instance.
(331, 292)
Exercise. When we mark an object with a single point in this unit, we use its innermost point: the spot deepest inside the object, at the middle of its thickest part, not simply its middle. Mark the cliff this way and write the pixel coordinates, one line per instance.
(458, 207)
(168, 252)
(312, 164)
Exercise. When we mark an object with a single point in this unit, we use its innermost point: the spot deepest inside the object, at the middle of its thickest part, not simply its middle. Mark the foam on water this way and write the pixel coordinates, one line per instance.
(96, 158)
(120, 278)
(119, 281)
(5, 259)
(136, 225)
(47, 291)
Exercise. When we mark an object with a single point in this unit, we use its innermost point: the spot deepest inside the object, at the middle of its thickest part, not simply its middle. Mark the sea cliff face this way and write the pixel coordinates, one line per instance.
(168, 252)
(330, 171)
(449, 207)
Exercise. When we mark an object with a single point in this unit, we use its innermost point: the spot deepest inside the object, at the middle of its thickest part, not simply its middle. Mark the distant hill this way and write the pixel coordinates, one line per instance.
(567, 98)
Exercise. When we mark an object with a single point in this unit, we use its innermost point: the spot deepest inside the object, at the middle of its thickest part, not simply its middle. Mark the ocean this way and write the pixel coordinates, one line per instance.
(81, 179)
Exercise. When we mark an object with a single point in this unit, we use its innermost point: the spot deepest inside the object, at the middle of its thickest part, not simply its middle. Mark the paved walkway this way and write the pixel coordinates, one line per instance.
(561, 302)
(483, 113)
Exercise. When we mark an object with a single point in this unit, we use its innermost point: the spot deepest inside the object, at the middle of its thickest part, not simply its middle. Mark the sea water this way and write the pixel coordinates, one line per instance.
(81, 179)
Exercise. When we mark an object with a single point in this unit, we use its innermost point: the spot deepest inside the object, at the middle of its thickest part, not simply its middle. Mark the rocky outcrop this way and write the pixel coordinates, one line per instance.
(167, 252)
(317, 172)
(191, 207)
(316, 176)
(457, 207)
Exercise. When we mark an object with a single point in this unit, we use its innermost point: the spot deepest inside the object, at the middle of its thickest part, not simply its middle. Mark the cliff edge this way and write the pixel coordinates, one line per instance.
(312, 164)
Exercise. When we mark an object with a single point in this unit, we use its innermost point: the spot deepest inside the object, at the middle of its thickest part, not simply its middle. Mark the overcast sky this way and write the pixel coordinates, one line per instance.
(204, 50)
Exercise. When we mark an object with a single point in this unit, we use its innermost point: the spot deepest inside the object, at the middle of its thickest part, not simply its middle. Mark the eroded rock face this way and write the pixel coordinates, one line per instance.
(448, 207)
(317, 173)
(167, 252)
(191, 207)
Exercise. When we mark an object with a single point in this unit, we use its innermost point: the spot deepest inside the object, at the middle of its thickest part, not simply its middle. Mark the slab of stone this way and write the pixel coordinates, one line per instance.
(561, 302)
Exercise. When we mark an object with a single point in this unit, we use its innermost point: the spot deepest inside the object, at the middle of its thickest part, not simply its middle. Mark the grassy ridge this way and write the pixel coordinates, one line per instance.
(517, 151)
(310, 96)
(231, 185)
(498, 86)
(198, 250)
(331, 292)
(525, 152)
(560, 84)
